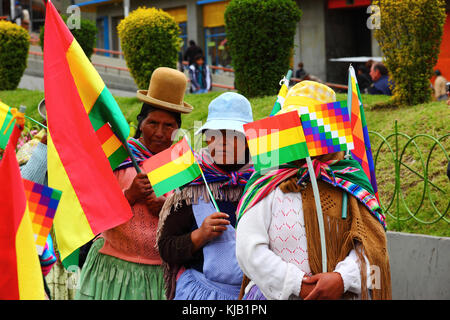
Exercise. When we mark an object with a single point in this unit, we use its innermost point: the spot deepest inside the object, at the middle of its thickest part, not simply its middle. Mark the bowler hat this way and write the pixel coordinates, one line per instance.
(166, 91)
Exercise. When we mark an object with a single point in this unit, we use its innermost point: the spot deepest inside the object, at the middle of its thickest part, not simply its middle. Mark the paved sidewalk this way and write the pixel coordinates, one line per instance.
(37, 83)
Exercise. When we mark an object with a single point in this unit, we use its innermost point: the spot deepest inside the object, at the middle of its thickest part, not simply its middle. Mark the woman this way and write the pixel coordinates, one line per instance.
(197, 243)
(123, 263)
(278, 240)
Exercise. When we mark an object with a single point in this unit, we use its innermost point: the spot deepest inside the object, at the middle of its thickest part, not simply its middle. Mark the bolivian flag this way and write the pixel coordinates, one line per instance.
(21, 275)
(5, 118)
(172, 168)
(82, 148)
(276, 140)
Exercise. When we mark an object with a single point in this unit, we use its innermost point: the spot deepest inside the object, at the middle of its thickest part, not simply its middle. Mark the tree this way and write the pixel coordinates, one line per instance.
(14, 46)
(260, 34)
(410, 36)
(150, 38)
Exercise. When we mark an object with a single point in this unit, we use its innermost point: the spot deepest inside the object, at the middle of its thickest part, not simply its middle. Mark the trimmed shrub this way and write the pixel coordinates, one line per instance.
(14, 46)
(150, 38)
(85, 36)
(410, 36)
(260, 35)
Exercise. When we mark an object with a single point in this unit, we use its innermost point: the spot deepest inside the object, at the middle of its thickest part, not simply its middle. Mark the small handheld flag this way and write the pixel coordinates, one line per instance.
(42, 204)
(282, 93)
(21, 275)
(363, 150)
(327, 128)
(276, 140)
(6, 127)
(172, 168)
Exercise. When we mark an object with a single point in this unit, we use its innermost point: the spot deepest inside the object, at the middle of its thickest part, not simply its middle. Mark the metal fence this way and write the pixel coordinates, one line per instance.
(416, 157)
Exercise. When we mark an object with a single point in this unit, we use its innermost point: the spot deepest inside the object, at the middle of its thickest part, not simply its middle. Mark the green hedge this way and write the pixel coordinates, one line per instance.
(410, 35)
(85, 36)
(150, 38)
(14, 46)
(260, 35)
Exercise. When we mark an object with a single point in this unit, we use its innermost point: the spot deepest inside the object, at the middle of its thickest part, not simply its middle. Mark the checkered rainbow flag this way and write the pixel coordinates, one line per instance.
(42, 204)
(327, 127)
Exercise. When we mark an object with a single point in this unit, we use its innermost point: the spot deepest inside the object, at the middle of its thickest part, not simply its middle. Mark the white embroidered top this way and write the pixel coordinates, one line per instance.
(271, 248)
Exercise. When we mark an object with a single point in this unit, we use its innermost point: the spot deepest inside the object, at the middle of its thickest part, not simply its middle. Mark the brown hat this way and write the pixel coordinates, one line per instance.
(166, 91)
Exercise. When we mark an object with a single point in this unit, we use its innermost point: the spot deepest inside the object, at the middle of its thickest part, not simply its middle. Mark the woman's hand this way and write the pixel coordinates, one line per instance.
(212, 227)
(139, 190)
(154, 204)
(328, 286)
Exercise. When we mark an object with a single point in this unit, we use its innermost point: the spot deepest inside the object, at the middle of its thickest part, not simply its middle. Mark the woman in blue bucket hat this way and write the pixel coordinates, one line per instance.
(197, 243)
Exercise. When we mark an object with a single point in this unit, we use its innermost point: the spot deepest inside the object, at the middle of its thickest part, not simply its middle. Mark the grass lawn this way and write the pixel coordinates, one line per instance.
(430, 119)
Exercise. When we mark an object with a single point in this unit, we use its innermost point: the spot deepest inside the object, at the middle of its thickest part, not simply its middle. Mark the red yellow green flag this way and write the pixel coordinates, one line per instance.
(79, 162)
(276, 140)
(5, 119)
(21, 275)
(172, 168)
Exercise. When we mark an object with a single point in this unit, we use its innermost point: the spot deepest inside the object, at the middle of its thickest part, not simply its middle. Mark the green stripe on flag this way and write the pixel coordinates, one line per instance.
(177, 180)
(280, 156)
(118, 157)
(4, 138)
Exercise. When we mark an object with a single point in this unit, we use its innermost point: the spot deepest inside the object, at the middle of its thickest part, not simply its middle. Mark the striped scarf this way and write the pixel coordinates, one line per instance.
(345, 174)
(139, 151)
(215, 174)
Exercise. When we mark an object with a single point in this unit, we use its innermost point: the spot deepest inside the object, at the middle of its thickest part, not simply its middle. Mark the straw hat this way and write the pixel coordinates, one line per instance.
(307, 93)
(42, 110)
(166, 91)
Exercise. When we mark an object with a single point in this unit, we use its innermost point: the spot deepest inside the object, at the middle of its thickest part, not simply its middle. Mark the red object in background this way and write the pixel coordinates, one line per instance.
(443, 63)
(337, 4)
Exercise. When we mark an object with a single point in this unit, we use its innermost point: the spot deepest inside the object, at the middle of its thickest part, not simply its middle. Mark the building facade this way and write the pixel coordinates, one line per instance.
(328, 29)
(36, 9)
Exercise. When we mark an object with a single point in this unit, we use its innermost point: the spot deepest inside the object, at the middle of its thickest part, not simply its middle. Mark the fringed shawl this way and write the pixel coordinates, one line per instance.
(224, 186)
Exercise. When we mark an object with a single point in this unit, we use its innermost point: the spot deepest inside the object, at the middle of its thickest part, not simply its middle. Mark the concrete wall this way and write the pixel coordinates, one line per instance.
(310, 38)
(420, 266)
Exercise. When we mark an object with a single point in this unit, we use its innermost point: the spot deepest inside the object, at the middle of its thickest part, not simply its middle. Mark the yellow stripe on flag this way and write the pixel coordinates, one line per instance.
(87, 80)
(111, 145)
(3, 112)
(29, 274)
(70, 216)
(172, 168)
(276, 140)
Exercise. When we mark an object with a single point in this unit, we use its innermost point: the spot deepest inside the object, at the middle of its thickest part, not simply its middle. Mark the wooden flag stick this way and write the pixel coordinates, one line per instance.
(203, 176)
(315, 187)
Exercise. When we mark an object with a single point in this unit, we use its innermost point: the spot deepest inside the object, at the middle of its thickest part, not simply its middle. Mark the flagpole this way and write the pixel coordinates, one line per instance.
(315, 187)
(203, 176)
(347, 153)
(133, 160)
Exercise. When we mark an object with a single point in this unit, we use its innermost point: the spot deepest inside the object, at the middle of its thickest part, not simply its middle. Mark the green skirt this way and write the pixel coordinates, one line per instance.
(104, 277)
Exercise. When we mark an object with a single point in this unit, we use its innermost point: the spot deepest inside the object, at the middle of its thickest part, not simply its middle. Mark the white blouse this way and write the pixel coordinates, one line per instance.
(271, 248)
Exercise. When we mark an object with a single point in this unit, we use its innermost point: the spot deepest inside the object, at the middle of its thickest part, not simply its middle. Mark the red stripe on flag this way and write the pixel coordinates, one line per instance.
(104, 133)
(12, 208)
(72, 133)
(272, 124)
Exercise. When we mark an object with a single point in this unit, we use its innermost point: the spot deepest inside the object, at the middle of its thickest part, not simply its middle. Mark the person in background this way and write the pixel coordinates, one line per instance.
(18, 14)
(380, 77)
(26, 19)
(191, 52)
(300, 73)
(440, 90)
(200, 75)
(364, 80)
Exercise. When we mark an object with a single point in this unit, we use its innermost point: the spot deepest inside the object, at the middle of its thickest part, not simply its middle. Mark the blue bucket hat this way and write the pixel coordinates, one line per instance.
(229, 111)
